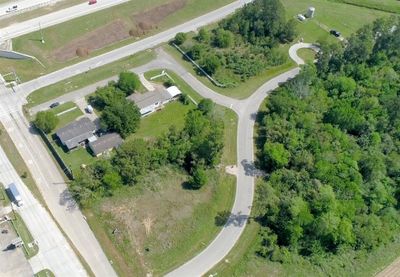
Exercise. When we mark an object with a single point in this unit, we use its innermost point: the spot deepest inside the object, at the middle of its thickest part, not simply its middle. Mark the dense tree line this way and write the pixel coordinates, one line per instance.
(243, 45)
(329, 141)
(196, 148)
(117, 113)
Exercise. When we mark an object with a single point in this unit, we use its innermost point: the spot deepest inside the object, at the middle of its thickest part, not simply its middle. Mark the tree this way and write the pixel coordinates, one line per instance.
(203, 36)
(180, 38)
(106, 96)
(276, 156)
(46, 121)
(206, 106)
(132, 160)
(199, 178)
(210, 64)
(123, 117)
(223, 38)
(128, 82)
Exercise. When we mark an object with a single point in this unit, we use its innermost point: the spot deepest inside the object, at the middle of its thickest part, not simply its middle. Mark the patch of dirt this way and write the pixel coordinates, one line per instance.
(151, 18)
(96, 39)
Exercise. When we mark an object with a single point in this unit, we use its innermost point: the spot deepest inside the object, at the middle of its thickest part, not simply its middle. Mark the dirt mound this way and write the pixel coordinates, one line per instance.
(96, 39)
(151, 18)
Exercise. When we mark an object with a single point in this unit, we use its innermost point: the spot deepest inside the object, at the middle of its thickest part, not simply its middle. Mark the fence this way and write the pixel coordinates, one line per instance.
(66, 169)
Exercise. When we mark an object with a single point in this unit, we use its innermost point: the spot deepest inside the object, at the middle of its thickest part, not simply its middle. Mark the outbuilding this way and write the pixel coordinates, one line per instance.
(105, 144)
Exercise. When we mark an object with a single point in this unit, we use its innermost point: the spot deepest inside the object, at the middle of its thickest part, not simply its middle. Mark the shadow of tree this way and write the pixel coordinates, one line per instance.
(66, 199)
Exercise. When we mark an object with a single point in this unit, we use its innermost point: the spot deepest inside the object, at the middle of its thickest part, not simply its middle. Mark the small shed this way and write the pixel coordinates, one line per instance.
(310, 12)
(105, 144)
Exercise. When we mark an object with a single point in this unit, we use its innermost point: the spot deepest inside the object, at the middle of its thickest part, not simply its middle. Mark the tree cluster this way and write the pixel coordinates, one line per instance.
(196, 148)
(117, 113)
(330, 142)
(244, 45)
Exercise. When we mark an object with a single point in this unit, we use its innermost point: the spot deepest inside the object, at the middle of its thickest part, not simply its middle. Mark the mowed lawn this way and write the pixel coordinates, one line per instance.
(124, 16)
(383, 5)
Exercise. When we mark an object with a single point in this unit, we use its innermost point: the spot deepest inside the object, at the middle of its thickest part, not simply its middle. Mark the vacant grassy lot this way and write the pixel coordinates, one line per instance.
(392, 6)
(50, 92)
(118, 21)
(307, 55)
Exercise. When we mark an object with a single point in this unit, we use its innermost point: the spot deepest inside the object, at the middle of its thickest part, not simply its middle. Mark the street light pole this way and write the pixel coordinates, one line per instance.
(41, 33)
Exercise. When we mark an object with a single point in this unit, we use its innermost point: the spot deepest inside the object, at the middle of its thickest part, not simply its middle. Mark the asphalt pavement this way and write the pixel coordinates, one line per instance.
(54, 251)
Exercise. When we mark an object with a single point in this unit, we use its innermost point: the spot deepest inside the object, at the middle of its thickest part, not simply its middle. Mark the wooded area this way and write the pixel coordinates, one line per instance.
(329, 141)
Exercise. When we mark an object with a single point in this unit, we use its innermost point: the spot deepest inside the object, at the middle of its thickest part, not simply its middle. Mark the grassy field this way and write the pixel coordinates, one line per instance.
(23, 232)
(392, 6)
(18, 163)
(307, 55)
(58, 36)
(330, 15)
(53, 91)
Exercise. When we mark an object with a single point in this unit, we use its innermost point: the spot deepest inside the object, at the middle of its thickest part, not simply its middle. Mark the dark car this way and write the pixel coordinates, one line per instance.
(335, 33)
(55, 104)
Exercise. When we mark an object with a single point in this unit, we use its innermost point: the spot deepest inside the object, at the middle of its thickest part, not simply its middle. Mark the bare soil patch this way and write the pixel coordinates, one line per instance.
(151, 18)
(96, 39)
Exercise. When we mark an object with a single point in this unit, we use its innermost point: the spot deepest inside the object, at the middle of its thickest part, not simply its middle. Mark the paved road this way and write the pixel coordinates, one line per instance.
(54, 251)
(114, 55)
(23, 5)
(25, 27)
(246, 110)
(54, 190)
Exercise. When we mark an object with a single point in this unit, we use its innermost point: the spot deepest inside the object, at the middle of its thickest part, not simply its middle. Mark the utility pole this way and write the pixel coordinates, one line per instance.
(41, 33)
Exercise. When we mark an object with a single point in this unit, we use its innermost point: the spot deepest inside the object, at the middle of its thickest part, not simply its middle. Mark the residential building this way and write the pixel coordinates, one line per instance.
(76, 133)
(105, 144)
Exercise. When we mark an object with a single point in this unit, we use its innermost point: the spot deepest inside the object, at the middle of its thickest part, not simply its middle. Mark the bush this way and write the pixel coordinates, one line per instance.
(46, 121)
(199, 178)
(206, 106)
(180, 38)
(184, 98)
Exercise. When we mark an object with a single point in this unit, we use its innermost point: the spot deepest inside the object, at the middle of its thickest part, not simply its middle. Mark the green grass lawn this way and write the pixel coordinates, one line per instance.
(45, 273)
(59, 35)
(23, 232)
(307, 55)
(383, 5)
(345, 18)
(68, 85)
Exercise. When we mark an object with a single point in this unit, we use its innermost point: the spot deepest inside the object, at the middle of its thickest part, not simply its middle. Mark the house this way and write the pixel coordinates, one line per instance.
(152, 101)
(105, 144)
(76, 133)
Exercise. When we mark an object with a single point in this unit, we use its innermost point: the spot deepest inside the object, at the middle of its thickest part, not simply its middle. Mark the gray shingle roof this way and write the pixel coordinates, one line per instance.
(76, 132)
(105, 143)
(143, 100)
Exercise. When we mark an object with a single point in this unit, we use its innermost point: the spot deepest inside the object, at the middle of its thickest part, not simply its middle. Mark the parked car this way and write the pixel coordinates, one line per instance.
(55, 104)
(335, 33)
(91, 2)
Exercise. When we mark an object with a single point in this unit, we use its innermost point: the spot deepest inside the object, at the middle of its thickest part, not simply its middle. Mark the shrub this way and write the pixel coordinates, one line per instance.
(46, 121)
(180, 38)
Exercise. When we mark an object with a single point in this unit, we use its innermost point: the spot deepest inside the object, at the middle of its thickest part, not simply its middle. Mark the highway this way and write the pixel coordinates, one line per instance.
(114, 55)
(55, 253)
(29, 26)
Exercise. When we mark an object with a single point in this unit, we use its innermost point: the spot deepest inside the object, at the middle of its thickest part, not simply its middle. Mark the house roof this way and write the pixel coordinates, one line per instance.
(174, 91)
(143, 100)
(105, 143)
(76, 132)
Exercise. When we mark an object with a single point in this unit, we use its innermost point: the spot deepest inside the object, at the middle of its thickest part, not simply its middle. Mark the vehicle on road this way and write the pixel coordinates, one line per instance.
(14, 194)
(55, 104)
(91, 2)
(335, 33)
(12, 9)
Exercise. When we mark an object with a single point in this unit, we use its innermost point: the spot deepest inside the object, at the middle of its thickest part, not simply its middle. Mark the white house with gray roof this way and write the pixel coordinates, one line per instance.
(76, 133)
(152, 101)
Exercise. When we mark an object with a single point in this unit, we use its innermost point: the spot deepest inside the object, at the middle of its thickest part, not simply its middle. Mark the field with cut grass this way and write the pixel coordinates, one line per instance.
(101, 32)
(23, 232)
(392, 6)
